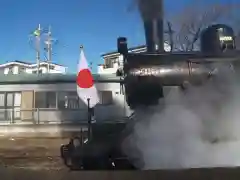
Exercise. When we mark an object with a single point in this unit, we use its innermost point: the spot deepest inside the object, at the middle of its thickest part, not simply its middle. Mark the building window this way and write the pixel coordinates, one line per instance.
(106, 97)
(10, 71)
(2, 100)
(2, 106)
(69, 100)
(110, 62)
(17, 105)
(10, 99)
(13, 104)
(1, 71)
(2, 115)
(17, 99)
(22, 70)
(35, 71)
(45, 99)
(13, 99)
(10, 103)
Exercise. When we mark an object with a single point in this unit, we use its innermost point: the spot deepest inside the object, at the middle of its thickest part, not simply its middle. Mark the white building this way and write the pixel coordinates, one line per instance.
(18, 67)
(48, 104)
(114, 61)
(53, 98)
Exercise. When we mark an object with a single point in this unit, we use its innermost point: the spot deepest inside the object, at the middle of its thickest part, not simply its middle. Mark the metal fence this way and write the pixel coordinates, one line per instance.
(49, 116)
(42, 116)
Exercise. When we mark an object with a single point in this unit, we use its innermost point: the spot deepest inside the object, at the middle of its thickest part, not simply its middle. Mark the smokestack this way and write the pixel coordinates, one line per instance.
(152, 15)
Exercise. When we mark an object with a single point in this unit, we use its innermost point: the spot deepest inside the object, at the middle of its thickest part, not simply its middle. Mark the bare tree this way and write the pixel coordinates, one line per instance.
(189, 23)
(236, 25)
(183, 29)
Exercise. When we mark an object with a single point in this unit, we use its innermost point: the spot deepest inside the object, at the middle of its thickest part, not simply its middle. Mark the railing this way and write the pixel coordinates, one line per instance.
(51, 116)
(42, 116)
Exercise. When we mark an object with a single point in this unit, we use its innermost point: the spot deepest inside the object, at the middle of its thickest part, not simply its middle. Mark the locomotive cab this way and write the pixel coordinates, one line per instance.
(217, 39)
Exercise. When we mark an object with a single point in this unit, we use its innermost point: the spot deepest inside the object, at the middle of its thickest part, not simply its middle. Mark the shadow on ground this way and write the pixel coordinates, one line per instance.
(194, 174)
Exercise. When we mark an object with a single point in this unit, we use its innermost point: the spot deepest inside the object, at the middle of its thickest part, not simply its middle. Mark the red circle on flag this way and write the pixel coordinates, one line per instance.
(85, 79)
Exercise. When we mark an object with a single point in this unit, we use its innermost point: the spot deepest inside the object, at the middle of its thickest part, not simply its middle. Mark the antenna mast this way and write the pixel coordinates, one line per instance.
(49, 48)
(38, 41)
(50, 41)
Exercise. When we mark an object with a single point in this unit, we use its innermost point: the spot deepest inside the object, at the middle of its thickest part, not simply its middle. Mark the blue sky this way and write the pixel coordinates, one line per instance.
(96, 24)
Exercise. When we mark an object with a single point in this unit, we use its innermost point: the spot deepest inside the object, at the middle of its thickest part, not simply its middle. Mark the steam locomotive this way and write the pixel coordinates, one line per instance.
(145, 74)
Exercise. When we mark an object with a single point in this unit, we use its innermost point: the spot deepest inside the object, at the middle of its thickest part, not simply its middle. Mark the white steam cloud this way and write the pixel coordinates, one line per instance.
(196, 128)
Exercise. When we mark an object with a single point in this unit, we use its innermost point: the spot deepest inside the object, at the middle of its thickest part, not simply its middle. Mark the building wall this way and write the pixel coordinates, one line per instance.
(111, 69)
(27, 103)
(41, 103)
(43, 69)
(11, 70)
(16, 69)
(114, 61)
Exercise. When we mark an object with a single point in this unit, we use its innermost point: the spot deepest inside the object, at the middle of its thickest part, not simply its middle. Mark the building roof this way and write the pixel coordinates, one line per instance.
(24, 63)
(130, 49)
(51, 78)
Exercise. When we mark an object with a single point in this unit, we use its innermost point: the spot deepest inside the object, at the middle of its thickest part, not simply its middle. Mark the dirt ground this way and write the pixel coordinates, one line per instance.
(11, 147)
(194, 174)
(49, 168)
(38, 159)
(33, 154)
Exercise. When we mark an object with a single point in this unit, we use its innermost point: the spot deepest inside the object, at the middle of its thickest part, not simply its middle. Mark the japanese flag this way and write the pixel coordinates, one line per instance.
(85, 83)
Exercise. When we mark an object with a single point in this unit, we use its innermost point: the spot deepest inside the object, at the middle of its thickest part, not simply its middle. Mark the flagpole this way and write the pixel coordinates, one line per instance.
(89, 119)
(90, 110)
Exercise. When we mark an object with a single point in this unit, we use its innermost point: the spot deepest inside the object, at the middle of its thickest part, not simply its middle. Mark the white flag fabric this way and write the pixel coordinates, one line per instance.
(85, 83)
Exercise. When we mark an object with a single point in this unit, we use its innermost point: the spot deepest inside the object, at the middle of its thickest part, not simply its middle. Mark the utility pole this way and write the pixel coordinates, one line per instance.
(48, 48)
(49, 44)
(38, 41)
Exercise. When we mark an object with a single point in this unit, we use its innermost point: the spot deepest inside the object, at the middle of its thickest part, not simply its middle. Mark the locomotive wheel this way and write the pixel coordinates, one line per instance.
(64, 152)
(67, 154)
(97, 163)
(123, 164)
